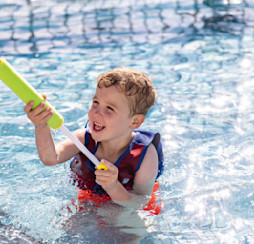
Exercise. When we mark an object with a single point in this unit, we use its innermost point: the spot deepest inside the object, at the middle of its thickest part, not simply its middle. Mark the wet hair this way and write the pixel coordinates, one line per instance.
(136, 86)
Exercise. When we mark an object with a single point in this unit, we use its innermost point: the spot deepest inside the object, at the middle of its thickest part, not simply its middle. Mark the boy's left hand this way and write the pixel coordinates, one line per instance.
(107, 178)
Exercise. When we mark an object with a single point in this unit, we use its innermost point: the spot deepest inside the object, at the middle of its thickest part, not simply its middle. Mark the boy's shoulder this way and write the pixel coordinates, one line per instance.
(151, 141)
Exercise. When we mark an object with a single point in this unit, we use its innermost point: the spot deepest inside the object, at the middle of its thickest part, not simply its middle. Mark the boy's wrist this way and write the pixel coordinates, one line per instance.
(113, 187)
(117, 192)
(38, 127)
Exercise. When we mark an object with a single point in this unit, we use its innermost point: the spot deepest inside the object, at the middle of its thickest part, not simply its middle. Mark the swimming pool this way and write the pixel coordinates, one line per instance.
(200, 56)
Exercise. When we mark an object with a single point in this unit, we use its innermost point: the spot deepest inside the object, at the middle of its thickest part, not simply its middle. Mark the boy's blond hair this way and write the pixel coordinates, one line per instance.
(136, 86)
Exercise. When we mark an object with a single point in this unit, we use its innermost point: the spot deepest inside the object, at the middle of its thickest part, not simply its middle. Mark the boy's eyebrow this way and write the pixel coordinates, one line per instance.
(110, 103)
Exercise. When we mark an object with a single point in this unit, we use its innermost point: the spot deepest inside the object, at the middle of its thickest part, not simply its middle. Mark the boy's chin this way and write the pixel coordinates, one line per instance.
(95, 135)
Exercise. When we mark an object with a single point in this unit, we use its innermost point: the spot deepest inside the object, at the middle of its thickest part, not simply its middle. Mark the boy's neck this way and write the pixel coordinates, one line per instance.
(111, 151)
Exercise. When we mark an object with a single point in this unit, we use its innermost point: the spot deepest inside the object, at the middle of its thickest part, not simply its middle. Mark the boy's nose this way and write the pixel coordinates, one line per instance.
(97, 111)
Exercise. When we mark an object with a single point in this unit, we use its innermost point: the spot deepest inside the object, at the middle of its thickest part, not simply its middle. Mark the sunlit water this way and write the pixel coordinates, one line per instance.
(200, 56)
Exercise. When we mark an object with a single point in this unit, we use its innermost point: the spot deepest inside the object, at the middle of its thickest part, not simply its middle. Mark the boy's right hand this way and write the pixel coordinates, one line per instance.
(39, 115)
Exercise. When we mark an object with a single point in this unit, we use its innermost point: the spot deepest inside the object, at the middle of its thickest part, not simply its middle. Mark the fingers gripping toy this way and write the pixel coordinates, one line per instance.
(27, 93)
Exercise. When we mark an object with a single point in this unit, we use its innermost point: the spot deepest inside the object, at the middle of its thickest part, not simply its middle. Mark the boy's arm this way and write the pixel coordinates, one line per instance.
(49, 153)
(143, 182)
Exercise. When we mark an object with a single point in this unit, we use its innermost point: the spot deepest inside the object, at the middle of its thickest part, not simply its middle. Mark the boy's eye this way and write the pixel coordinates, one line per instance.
(110, 108)
(95, 102)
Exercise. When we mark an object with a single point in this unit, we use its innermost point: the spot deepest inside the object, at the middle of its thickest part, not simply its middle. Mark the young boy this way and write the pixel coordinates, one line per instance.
(133, 158)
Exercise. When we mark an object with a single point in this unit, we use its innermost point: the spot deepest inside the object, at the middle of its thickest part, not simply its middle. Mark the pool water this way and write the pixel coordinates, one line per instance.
(200, 55)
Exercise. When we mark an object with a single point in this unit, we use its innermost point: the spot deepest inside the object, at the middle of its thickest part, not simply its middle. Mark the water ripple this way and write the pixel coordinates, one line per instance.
(200, 58)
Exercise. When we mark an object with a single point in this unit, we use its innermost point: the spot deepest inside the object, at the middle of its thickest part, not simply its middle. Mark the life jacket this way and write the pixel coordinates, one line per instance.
(82, 169)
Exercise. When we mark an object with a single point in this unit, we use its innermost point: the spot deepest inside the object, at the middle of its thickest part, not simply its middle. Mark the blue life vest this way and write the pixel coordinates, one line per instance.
(128, 163)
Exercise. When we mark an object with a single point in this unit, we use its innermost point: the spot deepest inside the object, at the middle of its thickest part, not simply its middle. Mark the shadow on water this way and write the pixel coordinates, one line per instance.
(9, 234)
(228, 16)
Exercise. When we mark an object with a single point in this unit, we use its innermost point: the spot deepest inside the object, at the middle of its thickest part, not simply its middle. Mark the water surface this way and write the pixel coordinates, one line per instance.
(200, 57)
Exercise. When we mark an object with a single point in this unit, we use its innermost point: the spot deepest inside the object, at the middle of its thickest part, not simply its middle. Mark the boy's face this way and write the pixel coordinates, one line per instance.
(109, 115)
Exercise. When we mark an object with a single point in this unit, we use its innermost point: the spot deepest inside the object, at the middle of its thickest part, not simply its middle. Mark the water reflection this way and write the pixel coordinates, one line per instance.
(110, 223)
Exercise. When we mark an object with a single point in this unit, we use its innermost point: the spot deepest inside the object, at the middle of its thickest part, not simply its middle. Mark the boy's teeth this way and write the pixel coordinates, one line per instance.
(98, 126)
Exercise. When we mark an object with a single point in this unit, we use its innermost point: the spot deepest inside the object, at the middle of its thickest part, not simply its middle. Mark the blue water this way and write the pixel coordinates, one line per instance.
(200, 55)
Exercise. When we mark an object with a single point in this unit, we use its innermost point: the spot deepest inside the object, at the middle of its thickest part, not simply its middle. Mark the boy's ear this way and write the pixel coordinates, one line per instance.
(137, 120)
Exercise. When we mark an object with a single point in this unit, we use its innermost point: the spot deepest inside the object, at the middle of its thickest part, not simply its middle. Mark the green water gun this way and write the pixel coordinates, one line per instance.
(27, 93)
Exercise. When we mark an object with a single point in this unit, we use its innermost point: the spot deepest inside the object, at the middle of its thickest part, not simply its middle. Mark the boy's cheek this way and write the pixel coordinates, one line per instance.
(89, 114)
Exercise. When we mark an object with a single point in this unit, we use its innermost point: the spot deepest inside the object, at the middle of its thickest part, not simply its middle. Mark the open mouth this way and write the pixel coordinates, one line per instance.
(98, 127)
